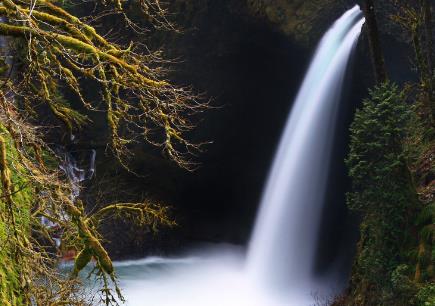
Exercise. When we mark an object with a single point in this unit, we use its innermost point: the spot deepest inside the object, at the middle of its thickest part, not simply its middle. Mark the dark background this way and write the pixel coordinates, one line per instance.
(251, 72)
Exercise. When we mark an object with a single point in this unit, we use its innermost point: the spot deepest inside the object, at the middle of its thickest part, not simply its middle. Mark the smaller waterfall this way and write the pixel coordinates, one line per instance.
(283, 244)
(75, 174)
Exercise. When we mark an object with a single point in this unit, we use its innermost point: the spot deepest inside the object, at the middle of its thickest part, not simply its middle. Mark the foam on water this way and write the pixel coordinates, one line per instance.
(214, 279)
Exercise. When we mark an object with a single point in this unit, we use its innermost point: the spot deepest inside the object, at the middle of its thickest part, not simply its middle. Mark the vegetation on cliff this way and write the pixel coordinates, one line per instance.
(392, 166)
(392, 169)
(299, 19)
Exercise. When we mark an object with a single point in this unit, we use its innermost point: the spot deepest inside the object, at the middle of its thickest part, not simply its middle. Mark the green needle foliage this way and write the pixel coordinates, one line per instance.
(388, 164)
(381, 193)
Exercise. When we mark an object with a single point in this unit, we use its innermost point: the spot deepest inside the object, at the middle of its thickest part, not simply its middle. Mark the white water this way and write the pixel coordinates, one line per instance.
(282, 249)
(75, 174)
(277, 270)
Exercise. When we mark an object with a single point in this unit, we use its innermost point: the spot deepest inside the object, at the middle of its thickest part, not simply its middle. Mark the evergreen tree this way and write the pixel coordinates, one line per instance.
(381, 193)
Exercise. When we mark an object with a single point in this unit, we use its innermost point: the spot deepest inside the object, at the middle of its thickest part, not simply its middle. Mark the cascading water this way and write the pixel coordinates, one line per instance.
(281, 253)
(75, 177)
(283, 244)
(75, 174)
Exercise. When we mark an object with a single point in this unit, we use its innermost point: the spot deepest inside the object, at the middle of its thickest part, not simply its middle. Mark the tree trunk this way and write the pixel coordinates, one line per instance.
(374, 41)
(429, 54)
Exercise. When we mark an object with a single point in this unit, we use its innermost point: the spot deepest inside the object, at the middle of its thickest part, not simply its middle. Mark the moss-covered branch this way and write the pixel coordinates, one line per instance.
(59, 53)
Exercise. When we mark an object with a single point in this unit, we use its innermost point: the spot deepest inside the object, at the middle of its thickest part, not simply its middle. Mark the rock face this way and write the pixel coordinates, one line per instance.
(302, 20)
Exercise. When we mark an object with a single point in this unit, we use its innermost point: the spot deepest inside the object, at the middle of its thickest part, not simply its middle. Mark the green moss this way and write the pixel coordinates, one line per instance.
(426, 295)
(11, 280)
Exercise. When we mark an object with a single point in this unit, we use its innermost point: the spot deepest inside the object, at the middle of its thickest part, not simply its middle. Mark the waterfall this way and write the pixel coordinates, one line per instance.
(283, 246)
(282, 249)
